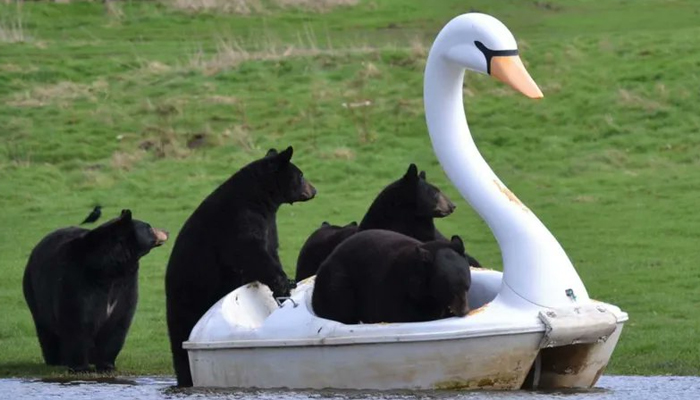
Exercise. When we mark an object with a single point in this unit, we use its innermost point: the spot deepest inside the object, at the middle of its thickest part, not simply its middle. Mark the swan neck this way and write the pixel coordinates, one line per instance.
(534, 264)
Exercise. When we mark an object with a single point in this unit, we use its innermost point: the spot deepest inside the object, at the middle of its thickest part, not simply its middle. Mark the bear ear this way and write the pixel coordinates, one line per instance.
(457, 244)
(325, 224)
(125, 215)
(271, 152)
(412, 172)
(285, 156)
(422, 175)
(353, 223)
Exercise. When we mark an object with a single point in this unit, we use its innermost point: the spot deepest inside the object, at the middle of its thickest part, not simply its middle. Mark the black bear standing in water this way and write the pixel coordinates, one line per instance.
(383, 276)
(406, 206)
(81, 288)
(230, 240)
(319, 245)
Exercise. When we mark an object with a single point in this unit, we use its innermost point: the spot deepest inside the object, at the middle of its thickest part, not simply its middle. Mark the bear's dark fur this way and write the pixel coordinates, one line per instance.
(408, 206)
(81, 288)
(383, 276)
(230, 240)
(319, 245)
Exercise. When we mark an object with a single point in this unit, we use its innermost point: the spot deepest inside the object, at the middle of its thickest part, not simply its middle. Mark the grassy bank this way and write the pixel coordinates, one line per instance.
(149, 106)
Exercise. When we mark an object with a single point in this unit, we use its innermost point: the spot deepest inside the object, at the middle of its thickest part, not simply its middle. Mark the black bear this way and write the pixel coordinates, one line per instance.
(81, 288)
(319, 245)
(230, 240)
(408, 206)
(383, 276)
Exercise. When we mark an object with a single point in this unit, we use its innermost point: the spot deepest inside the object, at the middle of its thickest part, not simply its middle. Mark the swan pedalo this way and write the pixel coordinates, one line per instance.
(534, 325)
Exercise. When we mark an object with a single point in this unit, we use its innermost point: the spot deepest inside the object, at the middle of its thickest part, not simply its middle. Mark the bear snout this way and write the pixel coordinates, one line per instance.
(160, 235)
(308, 191)
(459, 306)
(444, 206)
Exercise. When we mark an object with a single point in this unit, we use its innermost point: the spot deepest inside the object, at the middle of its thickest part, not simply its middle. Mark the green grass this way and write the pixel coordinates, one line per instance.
(608, 160)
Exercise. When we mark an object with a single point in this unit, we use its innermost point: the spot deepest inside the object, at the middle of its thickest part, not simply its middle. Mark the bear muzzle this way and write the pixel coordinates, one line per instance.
(308, 191)
(459, 306)
(444, 206)
(160, 235)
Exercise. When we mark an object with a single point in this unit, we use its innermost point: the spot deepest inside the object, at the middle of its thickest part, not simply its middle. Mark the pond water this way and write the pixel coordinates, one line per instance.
(155, 388)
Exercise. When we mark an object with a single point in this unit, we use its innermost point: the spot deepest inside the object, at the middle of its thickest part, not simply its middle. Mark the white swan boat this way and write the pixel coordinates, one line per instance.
(533, 325)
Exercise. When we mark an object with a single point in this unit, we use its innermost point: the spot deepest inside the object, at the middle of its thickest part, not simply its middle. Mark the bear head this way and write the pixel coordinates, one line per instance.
(122, 239)
(141, 234)
(288, 184)
(448, 274)
(414, 192)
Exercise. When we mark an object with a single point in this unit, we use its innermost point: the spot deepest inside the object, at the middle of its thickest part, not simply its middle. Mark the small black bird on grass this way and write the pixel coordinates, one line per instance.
(94, 215)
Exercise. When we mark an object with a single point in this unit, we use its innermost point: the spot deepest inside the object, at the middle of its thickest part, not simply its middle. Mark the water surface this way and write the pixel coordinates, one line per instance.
(157, 388)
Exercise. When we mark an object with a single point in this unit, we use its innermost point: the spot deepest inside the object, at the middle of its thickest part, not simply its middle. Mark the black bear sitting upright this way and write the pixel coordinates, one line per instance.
(407, 206)
(230, 240)
(81, 288)
(383, 276)
(319, 245)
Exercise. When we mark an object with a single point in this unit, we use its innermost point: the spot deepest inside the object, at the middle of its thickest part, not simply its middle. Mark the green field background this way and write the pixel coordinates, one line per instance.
(150, 105)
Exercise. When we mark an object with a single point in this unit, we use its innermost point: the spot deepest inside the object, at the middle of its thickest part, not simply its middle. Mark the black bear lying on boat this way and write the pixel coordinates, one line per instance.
(383, 276)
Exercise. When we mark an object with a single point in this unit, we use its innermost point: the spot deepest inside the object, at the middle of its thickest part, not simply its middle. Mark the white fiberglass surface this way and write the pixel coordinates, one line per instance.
(295, 323)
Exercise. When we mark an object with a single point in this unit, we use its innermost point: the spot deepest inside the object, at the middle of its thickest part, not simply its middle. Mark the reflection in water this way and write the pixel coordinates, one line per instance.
(156, 388)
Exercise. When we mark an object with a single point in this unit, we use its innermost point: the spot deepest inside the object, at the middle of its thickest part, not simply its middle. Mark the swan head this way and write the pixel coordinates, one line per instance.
(483, 44)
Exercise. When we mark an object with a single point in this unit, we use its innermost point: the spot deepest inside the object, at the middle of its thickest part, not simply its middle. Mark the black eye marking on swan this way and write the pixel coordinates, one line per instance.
(489, 54)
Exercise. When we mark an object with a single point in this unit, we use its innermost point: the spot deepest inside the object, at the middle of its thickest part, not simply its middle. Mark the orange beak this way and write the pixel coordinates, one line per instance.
(511, 71)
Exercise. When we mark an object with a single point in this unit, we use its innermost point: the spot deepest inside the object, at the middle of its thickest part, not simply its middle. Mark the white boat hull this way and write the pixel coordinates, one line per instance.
(245, 341)
(486, 363)
(499, 362)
